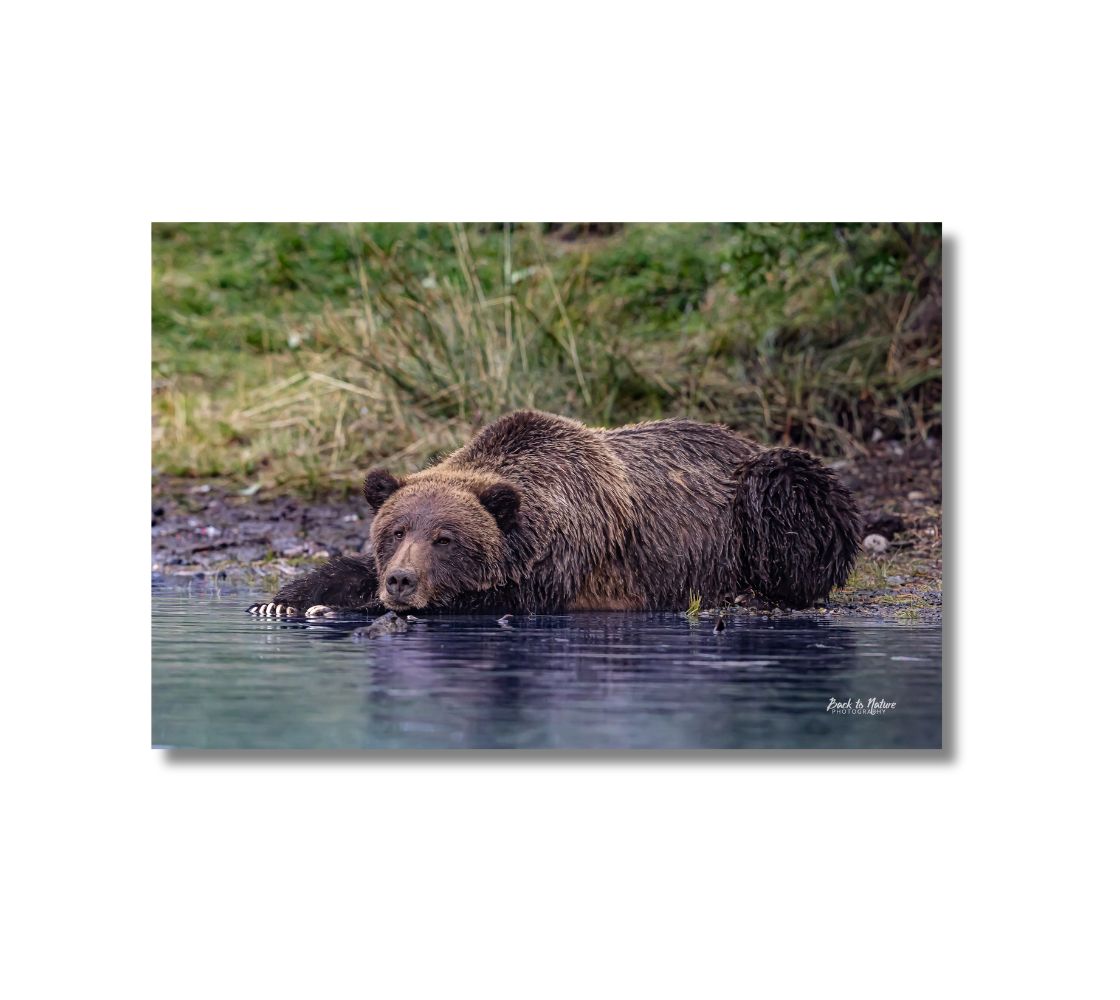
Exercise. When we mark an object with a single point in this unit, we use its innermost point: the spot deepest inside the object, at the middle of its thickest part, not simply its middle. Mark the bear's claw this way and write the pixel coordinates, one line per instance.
(270, 609)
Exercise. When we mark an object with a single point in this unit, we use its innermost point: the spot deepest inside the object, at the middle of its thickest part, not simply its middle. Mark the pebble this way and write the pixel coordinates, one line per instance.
(875, 544)
(915, 495)
(894, 581)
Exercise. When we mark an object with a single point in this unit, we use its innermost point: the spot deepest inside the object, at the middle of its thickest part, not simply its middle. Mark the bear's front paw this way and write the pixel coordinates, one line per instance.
(280, 609)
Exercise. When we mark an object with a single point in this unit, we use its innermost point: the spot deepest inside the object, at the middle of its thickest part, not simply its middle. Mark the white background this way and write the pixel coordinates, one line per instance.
(987, 870)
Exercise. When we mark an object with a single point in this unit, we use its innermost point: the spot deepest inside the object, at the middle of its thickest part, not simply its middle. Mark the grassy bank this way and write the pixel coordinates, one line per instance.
(292, 355)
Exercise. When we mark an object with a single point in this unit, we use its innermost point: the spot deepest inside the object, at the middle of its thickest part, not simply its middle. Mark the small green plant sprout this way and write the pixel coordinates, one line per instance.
(693, 611)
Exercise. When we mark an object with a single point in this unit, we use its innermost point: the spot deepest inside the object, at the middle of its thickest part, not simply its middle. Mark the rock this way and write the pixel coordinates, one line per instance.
(915, 495)
(387, 624)
(894, 581)
(875, 544)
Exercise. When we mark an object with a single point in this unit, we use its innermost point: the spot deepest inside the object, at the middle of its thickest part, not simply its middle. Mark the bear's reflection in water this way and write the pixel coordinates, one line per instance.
(611, 680)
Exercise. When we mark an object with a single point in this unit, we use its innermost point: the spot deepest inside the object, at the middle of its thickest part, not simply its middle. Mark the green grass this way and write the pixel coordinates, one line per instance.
(294, 355)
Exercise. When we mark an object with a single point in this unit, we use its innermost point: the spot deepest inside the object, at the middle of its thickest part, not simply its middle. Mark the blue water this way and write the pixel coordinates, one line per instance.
(224, 679)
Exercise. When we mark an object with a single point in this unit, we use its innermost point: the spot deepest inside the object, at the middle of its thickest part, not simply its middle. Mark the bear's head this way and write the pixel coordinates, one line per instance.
(436, 537)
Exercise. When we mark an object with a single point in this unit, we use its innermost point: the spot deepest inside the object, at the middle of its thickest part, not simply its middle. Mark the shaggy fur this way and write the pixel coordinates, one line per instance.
(540, 513)
(800, 527)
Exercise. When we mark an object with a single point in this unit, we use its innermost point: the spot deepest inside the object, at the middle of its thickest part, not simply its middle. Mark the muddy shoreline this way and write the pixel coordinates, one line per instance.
(208, 530)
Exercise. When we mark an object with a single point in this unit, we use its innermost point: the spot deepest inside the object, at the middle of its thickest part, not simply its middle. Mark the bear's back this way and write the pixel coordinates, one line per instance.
(625, 517)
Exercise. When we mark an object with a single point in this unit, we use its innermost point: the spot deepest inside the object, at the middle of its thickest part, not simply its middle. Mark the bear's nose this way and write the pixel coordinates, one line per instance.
(401, 583)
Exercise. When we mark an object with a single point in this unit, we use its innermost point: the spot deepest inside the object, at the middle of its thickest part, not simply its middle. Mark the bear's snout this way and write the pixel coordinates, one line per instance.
(401, 584)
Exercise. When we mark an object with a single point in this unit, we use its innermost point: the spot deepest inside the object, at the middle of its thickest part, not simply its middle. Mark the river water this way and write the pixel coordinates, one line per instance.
(222, 679)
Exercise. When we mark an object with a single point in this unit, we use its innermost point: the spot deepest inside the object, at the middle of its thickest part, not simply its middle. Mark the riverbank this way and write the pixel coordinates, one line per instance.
(212, 531)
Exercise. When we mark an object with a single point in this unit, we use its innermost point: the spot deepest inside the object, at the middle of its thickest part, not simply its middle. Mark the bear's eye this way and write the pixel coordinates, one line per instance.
(443, 540)
(399, 533)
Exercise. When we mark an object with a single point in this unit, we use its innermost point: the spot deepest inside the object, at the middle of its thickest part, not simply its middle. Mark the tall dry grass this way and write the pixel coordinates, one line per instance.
(817, 340)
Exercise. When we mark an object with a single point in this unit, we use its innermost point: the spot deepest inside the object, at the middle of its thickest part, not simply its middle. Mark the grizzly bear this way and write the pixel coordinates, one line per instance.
(540, 513)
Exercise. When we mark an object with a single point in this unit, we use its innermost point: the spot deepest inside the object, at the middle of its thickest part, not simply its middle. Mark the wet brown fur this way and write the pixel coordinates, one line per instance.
(541, 513)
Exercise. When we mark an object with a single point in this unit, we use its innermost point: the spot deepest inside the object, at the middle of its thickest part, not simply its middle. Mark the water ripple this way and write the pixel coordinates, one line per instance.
(224, 679)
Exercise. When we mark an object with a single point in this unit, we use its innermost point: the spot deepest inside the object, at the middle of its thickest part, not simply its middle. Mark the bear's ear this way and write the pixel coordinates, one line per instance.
(378, 487)
(503, 501)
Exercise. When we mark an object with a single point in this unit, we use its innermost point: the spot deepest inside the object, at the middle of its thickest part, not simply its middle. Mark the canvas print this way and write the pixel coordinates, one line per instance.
(547, 486)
